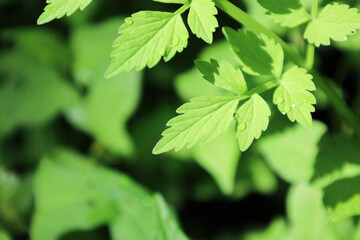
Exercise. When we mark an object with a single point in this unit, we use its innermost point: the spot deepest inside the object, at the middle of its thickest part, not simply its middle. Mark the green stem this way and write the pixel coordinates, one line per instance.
(264, 87)
(310, 55)
(260, 89)
(314, 8)
(310, 49)
(182, 9)
(338, 103)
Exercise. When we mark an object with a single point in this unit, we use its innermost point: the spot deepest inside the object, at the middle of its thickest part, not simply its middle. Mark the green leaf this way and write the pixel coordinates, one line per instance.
(172, 1)
(252, 119)
(201, 120)
(293, 97)
(43, 45)
(58, 8)
(23, 76)
(335, 22)
(144, 38)
(81, 195)
(275, 231)
(307, 214)
(223, 75)
(258, 55)
(289, 13)
(4, 235)
(292, 153)
(225, 148)
(190, 84)
(202, 20)
(105, 110)
(89, 66)
(146, 217)
(342, 198)
(331, 163)
(108, 105)
(15, 199)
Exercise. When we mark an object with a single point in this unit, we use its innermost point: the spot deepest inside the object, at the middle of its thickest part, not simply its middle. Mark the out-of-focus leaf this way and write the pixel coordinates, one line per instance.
(3, 234)
(220, 158)
(275, 231)
(352, 44)
(89, 65)
(15, 200)
(343, 198)
(292, 153)
(42, 45)
(81, 195)
(254, 176)
(307, 214)
(31, 93)
(146, 217)
(104, 111)
(338, 158)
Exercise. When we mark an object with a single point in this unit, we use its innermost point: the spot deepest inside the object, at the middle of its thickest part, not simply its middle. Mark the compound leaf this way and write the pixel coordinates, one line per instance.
(202, 120)
(293, 97)
(201, 19)
(288, 13)
(252, 119)
(258, 55)
(144, 38)
(335, 22)
(223, 75)
(58, 8)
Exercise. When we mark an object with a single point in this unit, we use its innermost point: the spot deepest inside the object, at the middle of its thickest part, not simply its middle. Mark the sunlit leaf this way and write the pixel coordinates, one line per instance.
(145, 38)
(336, 21)
(252, 119)
(258, 55)
(293, 96)
(202, 20)
(59, 8)
(201, 120)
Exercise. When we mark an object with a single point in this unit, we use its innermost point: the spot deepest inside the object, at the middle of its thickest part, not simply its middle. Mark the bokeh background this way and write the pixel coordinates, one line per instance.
(66, 132)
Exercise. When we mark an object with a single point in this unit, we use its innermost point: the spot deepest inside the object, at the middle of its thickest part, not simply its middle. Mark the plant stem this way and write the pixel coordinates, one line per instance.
(338, 103)
(310, 49)
(314, 8)
(310, 55)
(182, 9)
(264, 87)
(260, 89)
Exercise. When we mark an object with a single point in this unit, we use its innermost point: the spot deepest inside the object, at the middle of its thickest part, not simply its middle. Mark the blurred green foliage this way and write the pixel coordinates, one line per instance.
(75, 148)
